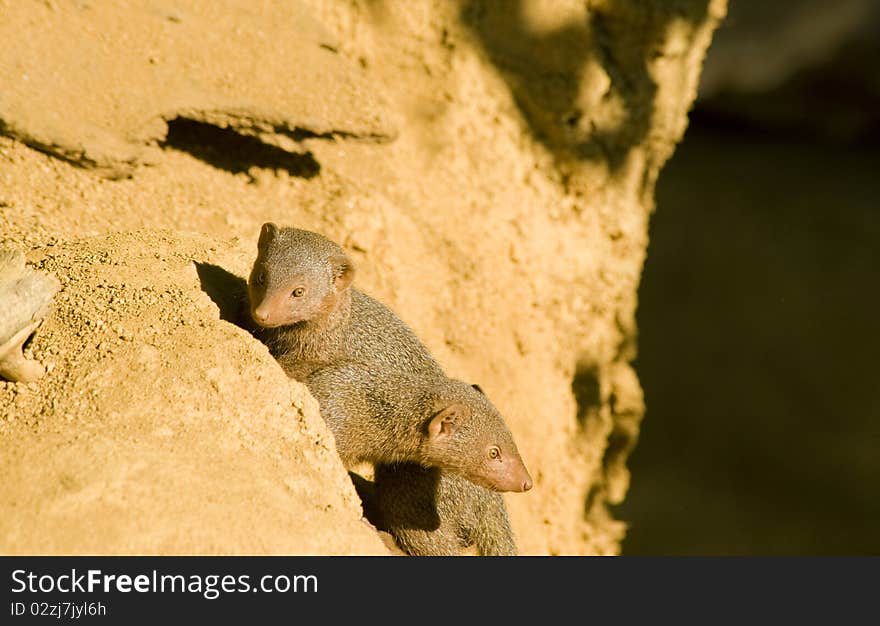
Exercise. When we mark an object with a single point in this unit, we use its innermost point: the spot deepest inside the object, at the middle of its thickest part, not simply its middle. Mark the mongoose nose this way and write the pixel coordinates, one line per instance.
(261, 316)
(527, 483)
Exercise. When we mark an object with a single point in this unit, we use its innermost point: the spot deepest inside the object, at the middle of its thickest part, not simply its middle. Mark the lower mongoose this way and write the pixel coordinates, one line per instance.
(387, 418)
(430, 512)
(304, 306)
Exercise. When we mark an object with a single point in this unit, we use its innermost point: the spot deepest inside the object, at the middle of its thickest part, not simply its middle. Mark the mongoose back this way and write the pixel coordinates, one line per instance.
(301, 299)
(430, 512)
(441, 422)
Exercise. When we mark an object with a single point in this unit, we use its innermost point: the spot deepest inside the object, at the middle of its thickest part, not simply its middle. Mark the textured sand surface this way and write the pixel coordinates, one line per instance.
(96, 82)
(506, 223)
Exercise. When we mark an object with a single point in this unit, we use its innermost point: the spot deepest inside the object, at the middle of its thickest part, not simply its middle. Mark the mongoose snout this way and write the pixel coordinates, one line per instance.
(513, 477)
(263, 316)
(504, 473)
(518, 479)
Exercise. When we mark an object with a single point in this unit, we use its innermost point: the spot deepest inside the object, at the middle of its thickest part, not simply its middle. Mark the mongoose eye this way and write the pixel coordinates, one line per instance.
(494, 452)
(261, 279)
(299, 292)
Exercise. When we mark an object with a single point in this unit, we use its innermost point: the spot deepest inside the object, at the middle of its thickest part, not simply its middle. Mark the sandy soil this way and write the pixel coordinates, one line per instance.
(513, 252)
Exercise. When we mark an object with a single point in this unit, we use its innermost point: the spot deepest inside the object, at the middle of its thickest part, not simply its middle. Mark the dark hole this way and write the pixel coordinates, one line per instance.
(228, 150)
(27, 342)
(585, 387)
(618, 443)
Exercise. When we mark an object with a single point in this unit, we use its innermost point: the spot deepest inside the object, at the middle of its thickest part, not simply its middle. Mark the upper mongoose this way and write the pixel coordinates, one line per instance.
(434, 421)
(430, 512)
(301, 299)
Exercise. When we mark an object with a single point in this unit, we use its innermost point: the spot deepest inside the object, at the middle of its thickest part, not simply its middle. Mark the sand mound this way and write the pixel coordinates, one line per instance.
(161, 429)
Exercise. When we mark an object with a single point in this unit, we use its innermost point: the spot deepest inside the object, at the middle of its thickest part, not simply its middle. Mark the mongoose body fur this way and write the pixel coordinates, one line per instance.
(430, 512)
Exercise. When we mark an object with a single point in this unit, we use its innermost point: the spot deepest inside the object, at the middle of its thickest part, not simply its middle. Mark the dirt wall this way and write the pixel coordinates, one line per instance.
(502, 213)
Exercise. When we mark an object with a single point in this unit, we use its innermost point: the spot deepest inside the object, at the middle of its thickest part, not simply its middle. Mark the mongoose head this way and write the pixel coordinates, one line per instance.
(298, 276)
(467, 435)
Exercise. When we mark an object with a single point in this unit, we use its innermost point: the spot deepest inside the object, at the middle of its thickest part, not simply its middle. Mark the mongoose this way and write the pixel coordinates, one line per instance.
(441, 422)
(385, 398)
(301, 299)
(430, 512)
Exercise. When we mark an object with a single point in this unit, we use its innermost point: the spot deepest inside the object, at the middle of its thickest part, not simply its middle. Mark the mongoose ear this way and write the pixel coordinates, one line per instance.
(343, 271)
(478, 388)
(267, 234)
(446, 421)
